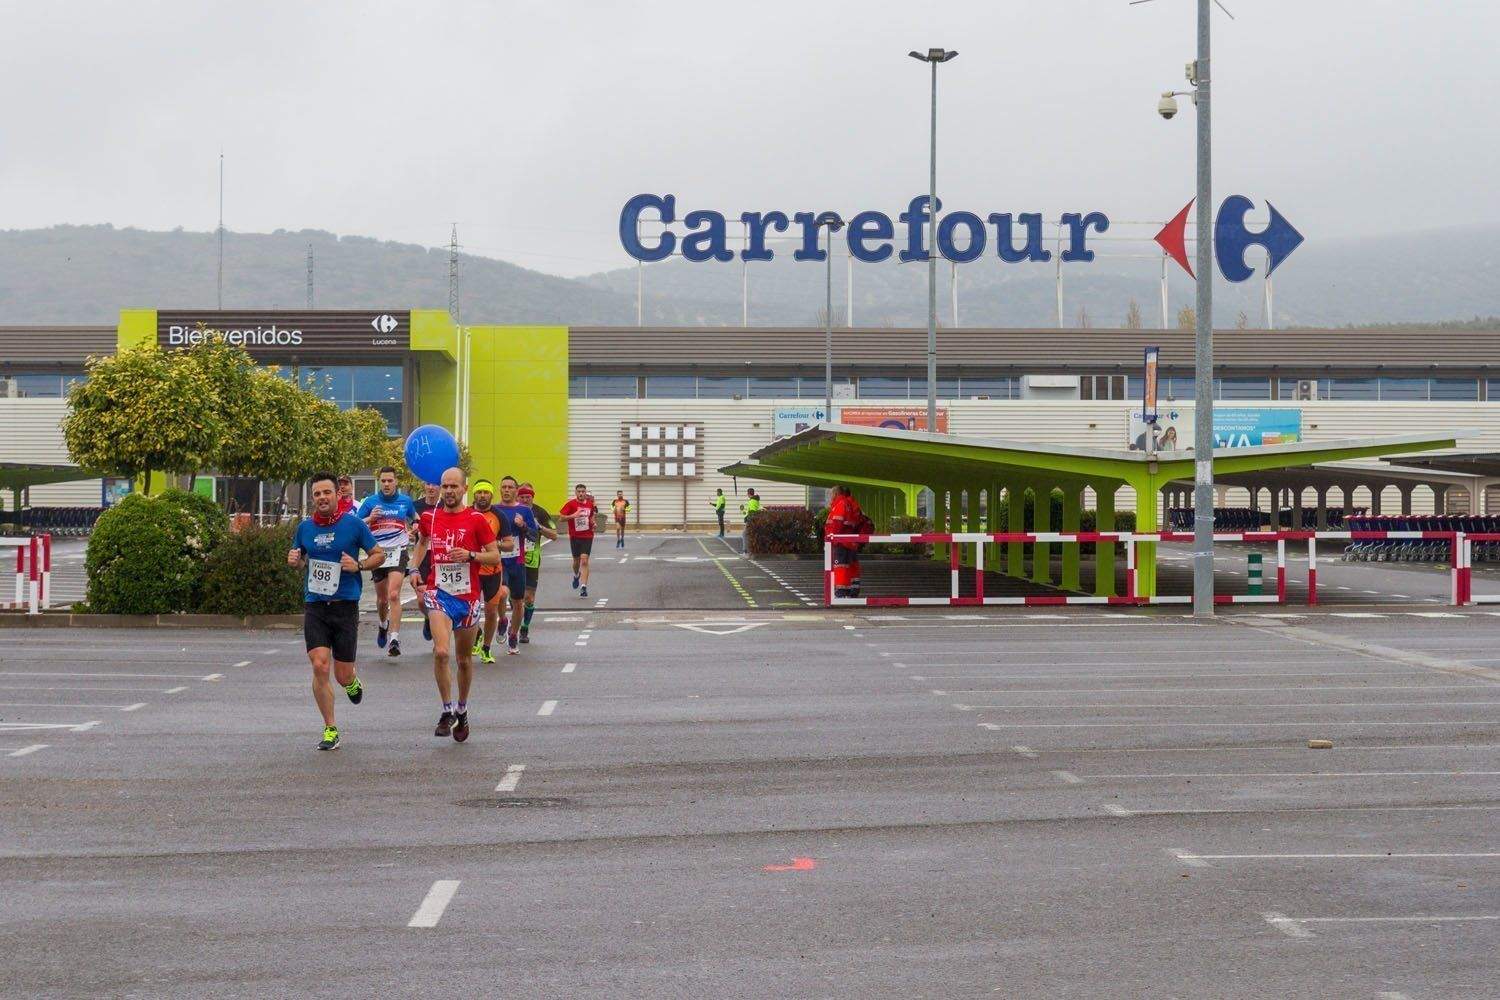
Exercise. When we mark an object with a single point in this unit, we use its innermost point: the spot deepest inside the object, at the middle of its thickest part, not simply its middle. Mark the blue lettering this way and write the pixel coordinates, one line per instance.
(809, 250)
(870, 226)
(1078, 226)
(757, 223)
(709, 244)
(969, 221)
(1005, 242)
(915, 218)
(630, 217)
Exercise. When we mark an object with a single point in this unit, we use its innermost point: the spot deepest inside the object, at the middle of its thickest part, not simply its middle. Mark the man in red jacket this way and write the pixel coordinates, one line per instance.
(843, 519)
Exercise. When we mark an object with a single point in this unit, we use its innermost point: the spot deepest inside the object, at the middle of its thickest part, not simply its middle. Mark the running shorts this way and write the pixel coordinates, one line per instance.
(490, 585)
(379, 573)
(533, 575)
(463, 614)
(581, 546)
(332, 625)
(515, 577)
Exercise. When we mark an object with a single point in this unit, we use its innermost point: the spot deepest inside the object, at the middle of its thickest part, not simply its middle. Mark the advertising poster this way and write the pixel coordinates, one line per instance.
(901, 418)
(1234, 427)
(789, 420)
(1148, 405)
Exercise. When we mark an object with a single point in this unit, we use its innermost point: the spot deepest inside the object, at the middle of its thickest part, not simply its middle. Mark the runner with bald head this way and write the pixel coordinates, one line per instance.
(459, 540)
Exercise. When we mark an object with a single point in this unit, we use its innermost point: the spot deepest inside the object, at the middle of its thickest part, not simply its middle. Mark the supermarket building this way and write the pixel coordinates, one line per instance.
(655, 411)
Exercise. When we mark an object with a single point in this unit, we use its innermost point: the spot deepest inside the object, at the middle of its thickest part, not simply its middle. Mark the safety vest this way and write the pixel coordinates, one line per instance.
(752, 505)
(717, 501)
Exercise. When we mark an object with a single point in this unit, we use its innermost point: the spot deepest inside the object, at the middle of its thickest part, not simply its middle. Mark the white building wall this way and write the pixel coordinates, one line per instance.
(31, 431)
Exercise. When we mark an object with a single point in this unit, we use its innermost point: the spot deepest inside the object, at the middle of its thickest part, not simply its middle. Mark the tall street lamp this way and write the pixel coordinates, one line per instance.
(933, 56)
(1203, 355)
(833, 223)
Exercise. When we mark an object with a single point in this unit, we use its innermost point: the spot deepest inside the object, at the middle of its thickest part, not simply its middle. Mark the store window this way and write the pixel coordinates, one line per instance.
(773, 388)
(612, 387)
(671, 387)
(1242, 388)
(1455, 389)
(721, 388)
(882, 388)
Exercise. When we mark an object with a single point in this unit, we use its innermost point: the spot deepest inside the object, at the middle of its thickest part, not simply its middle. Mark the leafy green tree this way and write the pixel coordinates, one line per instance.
(143, 410)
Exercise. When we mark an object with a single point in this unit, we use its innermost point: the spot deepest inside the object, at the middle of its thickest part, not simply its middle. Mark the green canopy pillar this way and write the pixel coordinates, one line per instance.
(1015, 554)
(1104, 554)
(1145, 486)
(1072, 520)
(1041, 519)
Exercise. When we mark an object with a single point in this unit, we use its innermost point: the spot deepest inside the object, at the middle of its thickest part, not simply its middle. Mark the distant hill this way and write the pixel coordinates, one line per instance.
(86, 274)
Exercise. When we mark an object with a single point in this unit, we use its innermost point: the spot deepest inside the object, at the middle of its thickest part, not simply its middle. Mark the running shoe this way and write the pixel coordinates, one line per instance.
(445, 725)
(513, 645)
(485, 656)
(330, 738)
(395, 649)
(355, 690)
(460, 727)
(380, 636)
(583, 591)
(478, 644)
(575, 581)
(426, 629)
(525, 634)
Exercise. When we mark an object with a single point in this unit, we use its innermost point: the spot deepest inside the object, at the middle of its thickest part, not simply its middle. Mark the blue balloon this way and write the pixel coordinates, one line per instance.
(431, 451)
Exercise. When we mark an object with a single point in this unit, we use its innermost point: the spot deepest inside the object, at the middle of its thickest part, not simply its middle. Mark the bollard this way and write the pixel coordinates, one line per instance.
(1253, 574)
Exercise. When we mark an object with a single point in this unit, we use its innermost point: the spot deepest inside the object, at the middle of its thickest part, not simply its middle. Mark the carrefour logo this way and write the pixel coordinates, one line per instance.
(961, 236)
(385, 322)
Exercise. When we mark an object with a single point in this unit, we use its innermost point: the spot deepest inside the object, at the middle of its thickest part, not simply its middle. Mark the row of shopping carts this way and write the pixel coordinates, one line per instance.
(68, 521)
(1437, 550)
(1248, 519)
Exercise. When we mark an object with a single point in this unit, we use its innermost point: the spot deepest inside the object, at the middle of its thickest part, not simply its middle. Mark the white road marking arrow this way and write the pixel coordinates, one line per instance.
(711, 629)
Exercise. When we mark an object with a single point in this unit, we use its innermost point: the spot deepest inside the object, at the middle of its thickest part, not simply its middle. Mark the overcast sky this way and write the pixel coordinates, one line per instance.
(531, 123)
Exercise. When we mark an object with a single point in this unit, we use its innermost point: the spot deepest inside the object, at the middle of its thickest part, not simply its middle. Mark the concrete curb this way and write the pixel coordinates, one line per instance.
(66, 619)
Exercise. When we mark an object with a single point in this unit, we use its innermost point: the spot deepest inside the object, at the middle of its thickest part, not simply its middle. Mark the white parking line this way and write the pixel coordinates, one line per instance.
(568, 668)
(134, 708)
(24, 751)
(438, 898)
(43, 704)
(175, 690)
(511, 779)
(21, 727)
(1432, 614)
(548, 707)
(1371, 856)
(1067, 777)
(1295, 926)
(54, 673)
(243, 663)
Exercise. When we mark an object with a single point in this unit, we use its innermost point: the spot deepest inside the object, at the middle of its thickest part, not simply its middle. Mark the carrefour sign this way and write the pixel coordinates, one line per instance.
(962, 236)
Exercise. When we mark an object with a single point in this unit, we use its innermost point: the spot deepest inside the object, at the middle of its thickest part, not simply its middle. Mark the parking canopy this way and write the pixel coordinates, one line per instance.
(885, 467)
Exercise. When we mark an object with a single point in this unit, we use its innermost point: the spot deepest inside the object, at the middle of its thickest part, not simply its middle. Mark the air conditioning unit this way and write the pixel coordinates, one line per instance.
(9, 388)
(1307, 388)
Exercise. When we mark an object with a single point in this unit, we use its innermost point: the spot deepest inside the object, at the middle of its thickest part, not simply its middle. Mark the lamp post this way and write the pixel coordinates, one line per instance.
(1203, 354)
(833, 223)
(933, 56)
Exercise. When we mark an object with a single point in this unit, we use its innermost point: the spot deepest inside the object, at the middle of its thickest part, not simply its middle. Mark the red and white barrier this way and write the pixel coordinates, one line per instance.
(33, 592)
(1460, 589)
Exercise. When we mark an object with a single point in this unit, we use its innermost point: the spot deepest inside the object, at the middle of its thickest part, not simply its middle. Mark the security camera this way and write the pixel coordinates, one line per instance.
(1167, 107)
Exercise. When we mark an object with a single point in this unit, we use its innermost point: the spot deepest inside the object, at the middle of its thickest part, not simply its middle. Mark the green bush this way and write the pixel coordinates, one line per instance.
(247, 574)
(903, 524)
(209, 524)
(782, 530)
(140, 560)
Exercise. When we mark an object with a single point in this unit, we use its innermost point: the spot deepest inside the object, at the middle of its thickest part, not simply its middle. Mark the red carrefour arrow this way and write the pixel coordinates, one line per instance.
(1173, 238)
(797, 865)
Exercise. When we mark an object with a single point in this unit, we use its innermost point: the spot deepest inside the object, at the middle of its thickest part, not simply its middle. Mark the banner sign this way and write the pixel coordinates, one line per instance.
(789, 420)
(901, 418)
(1148, 404)
(1234, 427)
(962, 236)
(289, 332)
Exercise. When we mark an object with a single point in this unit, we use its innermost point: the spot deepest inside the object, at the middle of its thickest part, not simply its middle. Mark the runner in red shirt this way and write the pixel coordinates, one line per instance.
(580, 512)
(460, 540)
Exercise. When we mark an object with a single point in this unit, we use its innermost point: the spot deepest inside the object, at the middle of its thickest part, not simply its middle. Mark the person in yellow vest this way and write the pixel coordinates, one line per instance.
(752, 503)
(718, 501)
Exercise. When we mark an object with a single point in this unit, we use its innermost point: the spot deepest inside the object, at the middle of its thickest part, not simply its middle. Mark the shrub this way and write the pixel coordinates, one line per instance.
(247, 574)
(208, 524)
(782, 530)
(139, 559)
(903, 524)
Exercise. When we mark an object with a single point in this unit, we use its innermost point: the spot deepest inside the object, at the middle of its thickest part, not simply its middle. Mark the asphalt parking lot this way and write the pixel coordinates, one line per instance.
(764, 801)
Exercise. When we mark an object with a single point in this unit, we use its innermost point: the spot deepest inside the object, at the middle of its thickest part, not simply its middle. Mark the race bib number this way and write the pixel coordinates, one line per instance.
(453, 578)
(582, 522)
(323, 577)
(393, 557)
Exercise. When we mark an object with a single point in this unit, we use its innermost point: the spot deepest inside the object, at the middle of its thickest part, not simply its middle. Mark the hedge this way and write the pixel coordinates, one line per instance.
(144, 558)
(247, 574)
(781, 531)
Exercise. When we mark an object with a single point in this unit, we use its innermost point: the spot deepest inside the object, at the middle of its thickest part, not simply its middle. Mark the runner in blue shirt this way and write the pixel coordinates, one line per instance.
(389, 513)
(513, 563)
(327, 546)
